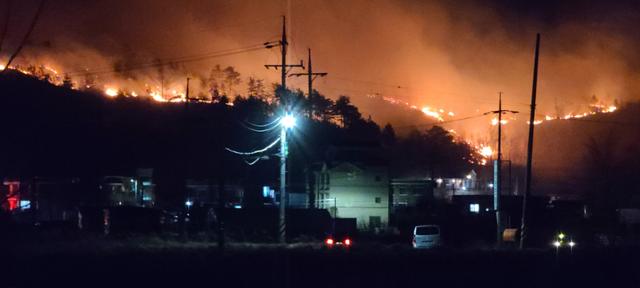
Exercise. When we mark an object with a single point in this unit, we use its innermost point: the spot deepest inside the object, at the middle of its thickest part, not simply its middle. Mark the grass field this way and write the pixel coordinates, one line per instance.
(154, 262)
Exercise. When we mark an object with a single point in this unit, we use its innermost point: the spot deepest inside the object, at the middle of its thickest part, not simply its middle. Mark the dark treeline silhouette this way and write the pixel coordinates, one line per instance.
(52, 131)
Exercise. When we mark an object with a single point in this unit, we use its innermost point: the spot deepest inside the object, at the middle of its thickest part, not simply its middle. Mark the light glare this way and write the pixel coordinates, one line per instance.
(288, 121)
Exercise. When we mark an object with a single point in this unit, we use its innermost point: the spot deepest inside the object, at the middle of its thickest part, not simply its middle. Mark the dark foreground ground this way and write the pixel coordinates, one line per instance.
(159, 263)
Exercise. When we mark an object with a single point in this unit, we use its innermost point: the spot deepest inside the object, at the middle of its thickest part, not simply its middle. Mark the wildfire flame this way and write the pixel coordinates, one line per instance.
(176, 93)
(485, 151)
(432, 113)
(435, 113)
(494, 121)
(112, 92)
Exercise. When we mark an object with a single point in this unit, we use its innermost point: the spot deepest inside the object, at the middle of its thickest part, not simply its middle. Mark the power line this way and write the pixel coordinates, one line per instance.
(183, 59)
(260, 130)
(255, 151)
(440, 122)
(251, 163)
(276, 121)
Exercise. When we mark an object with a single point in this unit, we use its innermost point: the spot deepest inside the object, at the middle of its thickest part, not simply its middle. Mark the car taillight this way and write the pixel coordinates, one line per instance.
(347, 242)
(329, 241)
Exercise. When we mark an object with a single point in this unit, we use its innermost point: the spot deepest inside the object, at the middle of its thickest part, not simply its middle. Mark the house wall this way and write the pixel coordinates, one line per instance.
(410, 193)
(353, 192)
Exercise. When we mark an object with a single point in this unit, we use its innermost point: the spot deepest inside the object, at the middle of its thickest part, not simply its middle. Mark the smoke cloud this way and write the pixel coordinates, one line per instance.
(454, 56)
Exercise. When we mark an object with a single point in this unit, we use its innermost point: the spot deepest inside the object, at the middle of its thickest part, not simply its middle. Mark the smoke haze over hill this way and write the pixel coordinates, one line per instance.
(436, 53)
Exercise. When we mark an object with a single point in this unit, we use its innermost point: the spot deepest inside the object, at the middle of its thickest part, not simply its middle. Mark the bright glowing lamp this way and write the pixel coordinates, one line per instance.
(557, 244)
(288, 121)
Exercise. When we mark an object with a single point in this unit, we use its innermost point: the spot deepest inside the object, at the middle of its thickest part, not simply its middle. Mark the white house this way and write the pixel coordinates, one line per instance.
(354, 190)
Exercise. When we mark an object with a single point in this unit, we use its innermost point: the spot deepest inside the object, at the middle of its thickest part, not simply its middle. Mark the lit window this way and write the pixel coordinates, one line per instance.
(474, 208)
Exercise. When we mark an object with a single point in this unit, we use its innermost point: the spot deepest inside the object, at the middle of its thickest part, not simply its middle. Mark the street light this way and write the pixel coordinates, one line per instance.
(288, 121)
(571, 244)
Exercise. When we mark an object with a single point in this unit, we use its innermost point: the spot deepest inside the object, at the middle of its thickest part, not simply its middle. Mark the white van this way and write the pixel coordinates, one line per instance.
(426, 236)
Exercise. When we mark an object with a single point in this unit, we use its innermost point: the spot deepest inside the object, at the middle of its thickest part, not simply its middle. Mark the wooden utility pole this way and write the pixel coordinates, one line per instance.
(497, 171)
(311, 76)
(527, 190)
(284, 69)
(186, 95)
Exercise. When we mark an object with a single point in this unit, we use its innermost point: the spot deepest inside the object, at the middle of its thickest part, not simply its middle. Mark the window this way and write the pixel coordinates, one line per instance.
(378, 200)
(326, 178)
(474, 208)
(427, 230)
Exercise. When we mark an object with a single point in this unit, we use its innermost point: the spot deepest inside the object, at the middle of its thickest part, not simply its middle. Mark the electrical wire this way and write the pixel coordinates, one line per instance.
(260, 130)
(250, 163)
(277, 120)
(255, 151)
(440, 122)
(170, 61)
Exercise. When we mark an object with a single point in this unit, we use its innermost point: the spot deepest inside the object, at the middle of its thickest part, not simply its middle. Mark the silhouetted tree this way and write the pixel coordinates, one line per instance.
(388, 136)
(255, 87)
(435, 152)
(223, 81)
(347, 112)
(320, 106)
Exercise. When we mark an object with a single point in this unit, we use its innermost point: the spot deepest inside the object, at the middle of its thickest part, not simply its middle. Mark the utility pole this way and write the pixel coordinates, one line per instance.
(284, 69)
(497, 170)
(186, 95)
(312, 76)
(527, 190)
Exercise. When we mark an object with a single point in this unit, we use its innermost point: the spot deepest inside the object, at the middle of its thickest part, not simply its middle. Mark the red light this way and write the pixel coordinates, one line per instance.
(347, 242)
(329, 241)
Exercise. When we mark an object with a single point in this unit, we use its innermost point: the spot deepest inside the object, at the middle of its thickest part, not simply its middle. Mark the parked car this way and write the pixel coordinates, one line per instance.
(342, 232)
(344, 242)
(426, 236)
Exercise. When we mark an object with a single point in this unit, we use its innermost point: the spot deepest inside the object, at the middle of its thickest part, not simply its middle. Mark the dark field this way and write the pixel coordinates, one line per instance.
(160, 263)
